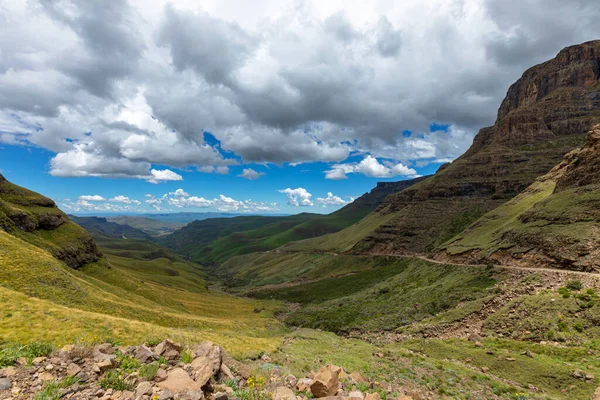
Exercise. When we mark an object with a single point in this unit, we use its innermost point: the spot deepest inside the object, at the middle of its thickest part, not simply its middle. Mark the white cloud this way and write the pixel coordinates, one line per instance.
(331, 200)
(124, 200)
(163, 176)
(298, 197)
(93, 197)
(370, 167)
(250, 174)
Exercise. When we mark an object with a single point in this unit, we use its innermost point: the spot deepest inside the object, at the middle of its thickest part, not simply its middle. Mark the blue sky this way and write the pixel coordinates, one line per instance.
(28, 166)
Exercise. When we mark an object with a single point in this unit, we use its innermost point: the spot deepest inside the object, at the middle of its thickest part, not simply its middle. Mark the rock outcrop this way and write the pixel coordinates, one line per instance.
(27, 214)
(545, 115)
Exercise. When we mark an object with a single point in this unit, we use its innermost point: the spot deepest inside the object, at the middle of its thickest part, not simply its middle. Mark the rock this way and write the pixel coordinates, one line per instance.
(49, 367)
(597, 394)
(226, 372)
(510, 359)
(283, 393)
(38, 360)
(527, 353)
(171, 355)
(589, 377)
(8, 372)
(5, 384)
(372, 396)
(46, 377)
(144, 355)
(578, 374)
(210, 351)
(326, 383)
(291, 381)
(404, 398)
(161, 375)
(104, 365)
(478, 344)
(167, 345)
(144, 388)
(357, 377)
(485, 369)
(178, 381)
(304, 384)
(165, 395)
(73, 369)
(202, 370)
(357, 395)
(126, 395)
(193, 395)
(220, 396)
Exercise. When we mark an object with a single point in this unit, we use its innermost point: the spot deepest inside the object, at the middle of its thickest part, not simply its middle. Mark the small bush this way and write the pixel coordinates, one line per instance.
(186, 357)
(564, 292)
(9, 355)
(128, 363)
(148, 371)
(113, 380)
(574, 285)
(51, 391)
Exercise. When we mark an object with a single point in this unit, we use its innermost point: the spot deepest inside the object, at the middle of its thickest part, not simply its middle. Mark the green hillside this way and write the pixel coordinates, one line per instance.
(36, 220)
(101, 226)
(151, 226)
(555, 222)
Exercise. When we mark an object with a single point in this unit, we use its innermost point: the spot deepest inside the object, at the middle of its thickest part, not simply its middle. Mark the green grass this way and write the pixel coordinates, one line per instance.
(52, 390)
(10, 353)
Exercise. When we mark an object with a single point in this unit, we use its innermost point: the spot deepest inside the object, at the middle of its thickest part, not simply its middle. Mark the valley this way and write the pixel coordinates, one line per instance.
(478, 282)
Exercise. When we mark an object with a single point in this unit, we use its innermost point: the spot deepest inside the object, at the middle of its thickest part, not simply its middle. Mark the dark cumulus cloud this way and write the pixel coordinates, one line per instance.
(116, 87)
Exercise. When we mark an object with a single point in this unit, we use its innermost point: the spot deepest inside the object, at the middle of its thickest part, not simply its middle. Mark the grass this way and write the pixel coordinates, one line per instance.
(43, 300)
(52, 390)
(10, 353)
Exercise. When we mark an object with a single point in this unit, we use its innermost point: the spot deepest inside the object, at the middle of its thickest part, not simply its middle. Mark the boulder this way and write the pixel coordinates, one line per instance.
(213, 353)
(202, 370)
(8, 372)
(167, 345)
(5, 384)
(161, 375)
(326, 382)
(178, 381)
(283, 393)
(104, 365)
(226, 372)
(144, 388)
(356, 395)
(73, 369)
(220, 396)
(372, 396)
(144, 355)
(304, 384)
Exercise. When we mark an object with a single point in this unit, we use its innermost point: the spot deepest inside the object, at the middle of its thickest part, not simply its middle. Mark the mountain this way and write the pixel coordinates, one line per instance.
(216, 240)
(37, 220)
(555, 222)
(545, 115)
(151, 226)
(102, 226)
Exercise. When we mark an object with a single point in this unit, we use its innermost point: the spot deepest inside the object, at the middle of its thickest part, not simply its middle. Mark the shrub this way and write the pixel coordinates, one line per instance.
(51, 391)
(148, 371)
(574, 285)
(128, 363)
(186, 357)
(10, 354)
(564, 292)
(113, 380)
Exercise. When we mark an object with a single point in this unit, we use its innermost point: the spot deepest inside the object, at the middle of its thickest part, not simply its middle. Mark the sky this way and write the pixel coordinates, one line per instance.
(269, 106)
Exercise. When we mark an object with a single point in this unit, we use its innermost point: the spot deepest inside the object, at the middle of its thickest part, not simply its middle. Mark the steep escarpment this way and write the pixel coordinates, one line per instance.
(545, 115)
(37, 220)
(555, 222)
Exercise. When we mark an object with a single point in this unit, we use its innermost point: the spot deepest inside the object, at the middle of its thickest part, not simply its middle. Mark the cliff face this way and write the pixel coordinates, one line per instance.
(555, 222)
(37, 220)
(545, 115)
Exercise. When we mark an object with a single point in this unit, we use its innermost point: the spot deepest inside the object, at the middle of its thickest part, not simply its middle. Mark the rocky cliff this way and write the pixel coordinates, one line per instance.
(37, 220)
(545, 114)
(555, 222)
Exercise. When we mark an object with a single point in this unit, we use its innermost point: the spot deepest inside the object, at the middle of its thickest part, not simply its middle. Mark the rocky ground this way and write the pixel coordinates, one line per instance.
(169, 371)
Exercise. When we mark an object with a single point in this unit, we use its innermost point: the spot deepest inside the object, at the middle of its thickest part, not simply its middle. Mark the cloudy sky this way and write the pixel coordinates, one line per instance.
(263, 106)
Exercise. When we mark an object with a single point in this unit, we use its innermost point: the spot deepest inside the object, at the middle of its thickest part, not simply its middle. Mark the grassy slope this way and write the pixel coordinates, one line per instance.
(36, 219)
(101, 226)
(134, 296)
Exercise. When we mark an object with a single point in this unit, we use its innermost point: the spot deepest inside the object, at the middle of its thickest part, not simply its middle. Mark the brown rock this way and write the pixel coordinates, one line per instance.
(104, 365)
(372, 396)
(167, 345)
(356, 395)
(304, 384)
(326, 383)
(210, 351)
(144, 388)
(226, 372)
(283, 393)
(73, 369)
(8, 372)
(144, 355)
(202, 370)
(178, 381)
(357, 377)
(161, 375)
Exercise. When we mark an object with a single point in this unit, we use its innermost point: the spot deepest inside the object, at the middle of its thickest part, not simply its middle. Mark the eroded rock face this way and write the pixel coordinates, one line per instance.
(545, 115)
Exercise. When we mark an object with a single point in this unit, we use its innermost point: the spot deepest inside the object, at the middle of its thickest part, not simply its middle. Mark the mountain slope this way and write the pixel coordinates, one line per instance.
(554, 222)
(101, 226)
(36, 219)
(151, 226)
(545, 114)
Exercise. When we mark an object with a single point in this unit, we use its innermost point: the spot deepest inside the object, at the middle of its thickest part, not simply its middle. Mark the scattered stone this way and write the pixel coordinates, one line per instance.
(161, 375)
(226, 372)
(202, 370)
(578, 374)
(178, 381)
(165, 395)
(104, 365)
(144, 388)
(485, 370)
(73, 369)
(326, 381)
(283, 393)
(171, 355)
(597, 394)
(46, 377)
(510, 359)
(527, 353)
(5, 384)
(193, 395)
(478, 344)
(589, 377)
(357, 377)
(8, 372)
